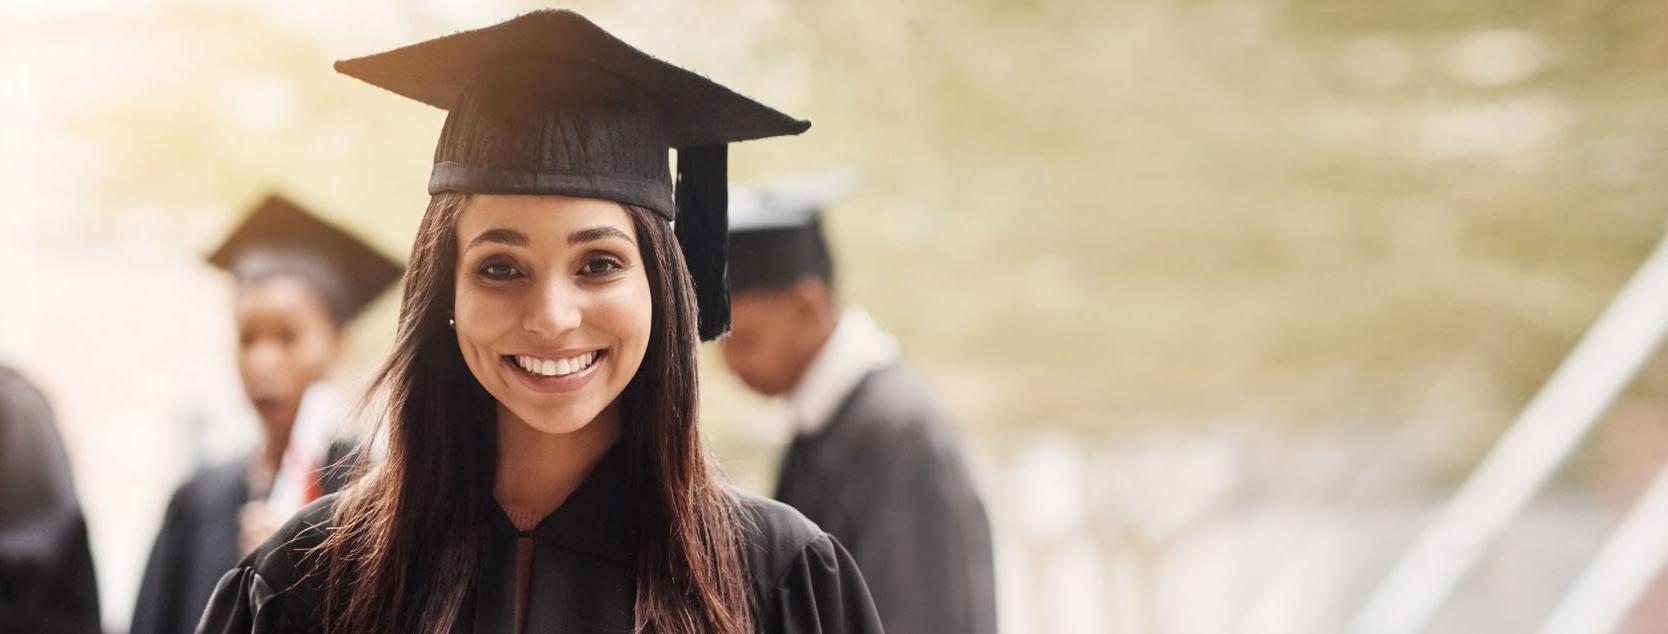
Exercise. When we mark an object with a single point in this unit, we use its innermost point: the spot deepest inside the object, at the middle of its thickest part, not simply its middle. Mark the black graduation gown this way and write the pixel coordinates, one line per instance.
(885, 476)
(46, 568)
(582, 580)
(197, 544)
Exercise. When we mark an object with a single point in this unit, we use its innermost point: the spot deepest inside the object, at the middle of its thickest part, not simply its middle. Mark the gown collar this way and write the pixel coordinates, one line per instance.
(857, 347)
(597, 518)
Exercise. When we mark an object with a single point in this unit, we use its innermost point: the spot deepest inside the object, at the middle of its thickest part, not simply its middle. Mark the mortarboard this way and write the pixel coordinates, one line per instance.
(279, 237)
(776, 232)
(549, 103)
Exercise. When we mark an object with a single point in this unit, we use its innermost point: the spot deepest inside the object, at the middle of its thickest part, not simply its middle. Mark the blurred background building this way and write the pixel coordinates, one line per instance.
(1227, 296)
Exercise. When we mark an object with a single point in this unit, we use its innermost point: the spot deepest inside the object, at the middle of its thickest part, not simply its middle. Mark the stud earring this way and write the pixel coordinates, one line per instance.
(452, 322)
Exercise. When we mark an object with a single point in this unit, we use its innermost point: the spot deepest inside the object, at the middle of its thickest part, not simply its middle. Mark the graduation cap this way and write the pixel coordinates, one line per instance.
(776, 229)
(279, 237)
(549, 103)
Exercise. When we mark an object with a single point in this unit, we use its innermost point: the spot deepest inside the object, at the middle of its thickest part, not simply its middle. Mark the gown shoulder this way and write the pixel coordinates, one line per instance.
(278, 586)
(802, 578)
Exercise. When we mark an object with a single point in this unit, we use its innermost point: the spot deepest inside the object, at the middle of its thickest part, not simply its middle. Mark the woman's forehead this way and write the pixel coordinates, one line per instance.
(536, 216)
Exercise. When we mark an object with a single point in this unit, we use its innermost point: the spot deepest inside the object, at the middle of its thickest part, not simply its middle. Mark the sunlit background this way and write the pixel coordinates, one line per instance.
(1227, 297)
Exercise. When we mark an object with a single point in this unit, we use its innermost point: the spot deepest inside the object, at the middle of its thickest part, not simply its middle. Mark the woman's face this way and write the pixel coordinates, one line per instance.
(286, 342)
(553, 311)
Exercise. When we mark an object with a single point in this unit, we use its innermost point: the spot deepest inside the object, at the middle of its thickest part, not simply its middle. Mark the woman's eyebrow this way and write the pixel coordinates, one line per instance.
(502, 236)
(597, 233)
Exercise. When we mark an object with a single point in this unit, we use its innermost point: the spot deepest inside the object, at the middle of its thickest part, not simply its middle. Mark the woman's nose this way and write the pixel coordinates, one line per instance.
(554, 311)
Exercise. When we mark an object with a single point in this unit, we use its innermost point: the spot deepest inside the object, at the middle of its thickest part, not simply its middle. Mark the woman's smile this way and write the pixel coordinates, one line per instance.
(551, 373)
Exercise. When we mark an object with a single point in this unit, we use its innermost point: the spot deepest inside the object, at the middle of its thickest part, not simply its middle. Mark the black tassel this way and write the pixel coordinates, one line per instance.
(703, 230)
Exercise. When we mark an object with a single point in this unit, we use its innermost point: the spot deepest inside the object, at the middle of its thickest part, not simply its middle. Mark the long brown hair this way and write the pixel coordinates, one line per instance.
(414, 526)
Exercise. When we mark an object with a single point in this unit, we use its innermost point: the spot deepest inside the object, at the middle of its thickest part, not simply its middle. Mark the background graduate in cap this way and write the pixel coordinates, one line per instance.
(545, 471)
(299, 282)
(872, 461)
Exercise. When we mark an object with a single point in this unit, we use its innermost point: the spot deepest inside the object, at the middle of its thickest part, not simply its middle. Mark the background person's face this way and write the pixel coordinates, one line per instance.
(553, 310)
(768, 346)
(286, 342)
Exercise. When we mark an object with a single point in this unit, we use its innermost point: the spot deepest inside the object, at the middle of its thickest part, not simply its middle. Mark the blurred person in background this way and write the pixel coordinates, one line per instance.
(545, 470)
(872, 461)
(46, 570)
(300, 281)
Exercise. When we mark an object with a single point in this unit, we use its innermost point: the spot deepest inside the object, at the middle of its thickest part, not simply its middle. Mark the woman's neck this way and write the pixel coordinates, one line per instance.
(537, 471)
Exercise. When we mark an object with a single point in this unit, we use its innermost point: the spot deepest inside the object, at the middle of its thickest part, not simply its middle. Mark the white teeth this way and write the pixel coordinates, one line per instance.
(556, 367)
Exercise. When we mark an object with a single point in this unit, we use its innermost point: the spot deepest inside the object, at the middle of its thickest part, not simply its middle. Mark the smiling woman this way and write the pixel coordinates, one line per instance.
(553, 307)
(545, 469)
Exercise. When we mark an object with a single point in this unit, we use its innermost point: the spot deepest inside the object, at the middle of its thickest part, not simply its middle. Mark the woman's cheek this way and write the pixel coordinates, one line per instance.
(625, 313)
(475, 316)
(622, 310)
(482, 309)
(642, 315)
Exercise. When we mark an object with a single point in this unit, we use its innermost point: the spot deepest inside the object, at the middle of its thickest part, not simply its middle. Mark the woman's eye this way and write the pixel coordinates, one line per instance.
(601, 266)
(497, 271)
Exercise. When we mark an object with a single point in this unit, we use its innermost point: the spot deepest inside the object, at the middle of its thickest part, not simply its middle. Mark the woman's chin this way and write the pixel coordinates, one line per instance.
(554, 420)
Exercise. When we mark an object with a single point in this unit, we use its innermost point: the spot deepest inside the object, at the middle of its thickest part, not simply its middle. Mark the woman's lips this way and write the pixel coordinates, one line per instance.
(554, 375)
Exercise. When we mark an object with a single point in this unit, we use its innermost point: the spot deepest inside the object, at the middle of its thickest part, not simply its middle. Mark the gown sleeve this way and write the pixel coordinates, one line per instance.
(274, 589)
(820, 592)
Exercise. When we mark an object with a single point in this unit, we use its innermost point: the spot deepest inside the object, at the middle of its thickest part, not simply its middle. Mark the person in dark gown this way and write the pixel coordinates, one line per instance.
(46, 570)
(544, 469)
(872, 460)
(300, 280)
